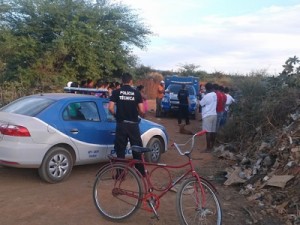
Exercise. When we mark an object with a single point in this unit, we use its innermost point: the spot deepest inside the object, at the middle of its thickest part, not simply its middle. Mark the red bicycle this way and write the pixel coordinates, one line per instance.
(120, 189)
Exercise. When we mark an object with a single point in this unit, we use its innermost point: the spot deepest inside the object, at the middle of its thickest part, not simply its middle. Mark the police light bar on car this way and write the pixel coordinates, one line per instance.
(181, 82)
(91, 91)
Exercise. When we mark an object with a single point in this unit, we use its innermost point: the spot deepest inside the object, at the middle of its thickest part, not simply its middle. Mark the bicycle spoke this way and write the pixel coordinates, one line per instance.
(194, 208)
(117, 194)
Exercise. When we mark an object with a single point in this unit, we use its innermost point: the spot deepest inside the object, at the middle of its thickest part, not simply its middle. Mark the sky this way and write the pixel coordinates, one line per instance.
(228, 36)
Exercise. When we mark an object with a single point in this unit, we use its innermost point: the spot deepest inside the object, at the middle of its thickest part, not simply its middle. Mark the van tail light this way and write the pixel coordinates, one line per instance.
(14, 130)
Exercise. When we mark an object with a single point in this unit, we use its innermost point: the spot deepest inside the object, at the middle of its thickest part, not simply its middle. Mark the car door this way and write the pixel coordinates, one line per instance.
(109, 133)
(91, 132)
(109, 126)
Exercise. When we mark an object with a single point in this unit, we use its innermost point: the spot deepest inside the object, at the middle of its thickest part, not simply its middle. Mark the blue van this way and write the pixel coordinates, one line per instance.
(170, 102)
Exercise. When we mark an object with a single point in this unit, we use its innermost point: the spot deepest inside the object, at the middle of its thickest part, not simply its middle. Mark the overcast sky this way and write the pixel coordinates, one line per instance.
(230, 36)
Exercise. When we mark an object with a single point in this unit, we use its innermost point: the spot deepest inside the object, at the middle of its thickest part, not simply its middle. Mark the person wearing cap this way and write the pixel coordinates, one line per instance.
(159, 97)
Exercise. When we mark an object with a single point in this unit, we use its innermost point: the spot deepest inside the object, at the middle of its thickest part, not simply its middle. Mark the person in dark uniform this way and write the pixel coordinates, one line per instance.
(183, 97)
(129, 105)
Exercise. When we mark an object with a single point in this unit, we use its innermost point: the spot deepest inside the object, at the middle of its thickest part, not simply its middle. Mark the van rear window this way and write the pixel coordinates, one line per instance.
(174, 88)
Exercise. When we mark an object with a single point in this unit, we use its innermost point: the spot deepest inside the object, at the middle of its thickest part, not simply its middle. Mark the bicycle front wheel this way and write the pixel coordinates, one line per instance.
(117, 192)
(196, 205)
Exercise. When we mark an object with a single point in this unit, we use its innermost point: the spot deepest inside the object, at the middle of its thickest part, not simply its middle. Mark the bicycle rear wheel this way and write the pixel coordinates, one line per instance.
(195, 208)
(117, 192)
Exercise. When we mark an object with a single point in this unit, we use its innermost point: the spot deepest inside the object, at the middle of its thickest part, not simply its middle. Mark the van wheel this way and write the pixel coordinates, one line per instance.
(56, 166)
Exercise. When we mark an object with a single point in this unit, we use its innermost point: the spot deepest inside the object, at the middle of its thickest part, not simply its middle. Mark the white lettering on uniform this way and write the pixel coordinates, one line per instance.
(127, 98)
(127, 92)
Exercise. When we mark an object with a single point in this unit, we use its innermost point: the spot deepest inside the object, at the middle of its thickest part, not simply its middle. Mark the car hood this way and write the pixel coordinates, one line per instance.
(147, 124)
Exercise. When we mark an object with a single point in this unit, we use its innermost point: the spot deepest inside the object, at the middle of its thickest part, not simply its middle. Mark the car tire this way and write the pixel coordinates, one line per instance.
(156, 146)
(57, 165)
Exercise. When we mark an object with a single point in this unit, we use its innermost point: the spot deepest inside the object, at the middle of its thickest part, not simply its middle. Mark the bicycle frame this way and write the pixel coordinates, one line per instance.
(146, 181)
(148, 187)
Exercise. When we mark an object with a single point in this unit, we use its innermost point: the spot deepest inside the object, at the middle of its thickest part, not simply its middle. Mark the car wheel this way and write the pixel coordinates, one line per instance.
(156, 147)
(56, 166)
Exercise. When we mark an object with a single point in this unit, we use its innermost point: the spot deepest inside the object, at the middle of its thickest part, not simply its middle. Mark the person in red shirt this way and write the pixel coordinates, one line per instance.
(221, 102)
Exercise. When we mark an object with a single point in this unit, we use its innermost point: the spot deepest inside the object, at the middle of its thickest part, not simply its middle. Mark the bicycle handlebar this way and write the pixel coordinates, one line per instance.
(192, 139)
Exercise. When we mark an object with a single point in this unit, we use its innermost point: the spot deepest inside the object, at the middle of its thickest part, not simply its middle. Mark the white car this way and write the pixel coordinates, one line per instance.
(54, 132)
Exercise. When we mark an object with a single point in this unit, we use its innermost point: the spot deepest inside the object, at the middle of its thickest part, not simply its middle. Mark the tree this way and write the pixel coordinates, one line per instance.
(290, 63)
(291, 73)
(292, 60)
(53, 41)
(143, 71)
(188, 69)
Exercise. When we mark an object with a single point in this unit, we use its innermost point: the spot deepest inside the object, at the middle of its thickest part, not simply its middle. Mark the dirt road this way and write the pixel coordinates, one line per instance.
(26, 200)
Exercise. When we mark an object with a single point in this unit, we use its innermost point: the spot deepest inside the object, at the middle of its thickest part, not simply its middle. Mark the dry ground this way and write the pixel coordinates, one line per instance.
(26, 200)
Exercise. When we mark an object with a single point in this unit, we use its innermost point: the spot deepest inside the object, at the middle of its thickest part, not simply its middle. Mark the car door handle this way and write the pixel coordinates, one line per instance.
(113, 133)
(74, 131)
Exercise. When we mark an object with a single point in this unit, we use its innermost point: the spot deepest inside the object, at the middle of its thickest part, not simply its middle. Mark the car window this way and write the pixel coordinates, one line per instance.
(109, 116)
(29, 106)
(81, 111)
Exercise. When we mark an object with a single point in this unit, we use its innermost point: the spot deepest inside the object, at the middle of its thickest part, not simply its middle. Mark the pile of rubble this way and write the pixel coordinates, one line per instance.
(269, 173)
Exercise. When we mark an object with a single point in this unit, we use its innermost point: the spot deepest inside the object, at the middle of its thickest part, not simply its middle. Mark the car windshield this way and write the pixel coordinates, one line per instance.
(29, 106)
(174, 88)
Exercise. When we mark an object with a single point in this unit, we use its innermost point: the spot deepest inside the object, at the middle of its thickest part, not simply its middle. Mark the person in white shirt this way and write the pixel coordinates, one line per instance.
(209, 115)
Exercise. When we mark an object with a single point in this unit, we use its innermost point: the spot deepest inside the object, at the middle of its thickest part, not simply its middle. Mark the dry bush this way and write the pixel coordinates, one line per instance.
(150, 87)
(151, 83)
(262, 108)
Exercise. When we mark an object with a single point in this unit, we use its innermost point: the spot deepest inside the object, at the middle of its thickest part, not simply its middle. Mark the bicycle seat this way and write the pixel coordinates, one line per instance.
(140, 149)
